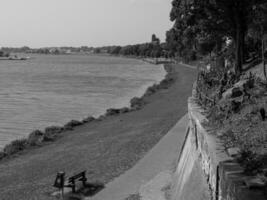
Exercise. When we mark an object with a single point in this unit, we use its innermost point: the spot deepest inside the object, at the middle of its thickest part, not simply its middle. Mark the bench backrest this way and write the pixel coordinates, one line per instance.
(77, 176)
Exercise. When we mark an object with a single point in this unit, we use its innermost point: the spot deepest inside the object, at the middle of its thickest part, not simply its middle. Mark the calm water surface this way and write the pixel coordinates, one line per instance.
(51, 90)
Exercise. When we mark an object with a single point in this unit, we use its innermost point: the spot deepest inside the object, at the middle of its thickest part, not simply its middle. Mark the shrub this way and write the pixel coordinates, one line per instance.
(2, 155)
(15, 146)
(251, 162)
(88, 119)
(53, 129)
(71, 124)
(36, 138)
(112, 111)
(151, 90)
(124, 110)
(52, 132)
(263, 114)
(101, 117)
(137, 103)
(165, 83)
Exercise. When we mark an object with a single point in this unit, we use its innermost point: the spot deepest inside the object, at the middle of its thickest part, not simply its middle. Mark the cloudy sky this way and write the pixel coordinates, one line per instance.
(41, 23)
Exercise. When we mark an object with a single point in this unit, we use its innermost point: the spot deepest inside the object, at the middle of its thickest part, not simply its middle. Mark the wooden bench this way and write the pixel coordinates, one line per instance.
(60, 182)
(78, 177)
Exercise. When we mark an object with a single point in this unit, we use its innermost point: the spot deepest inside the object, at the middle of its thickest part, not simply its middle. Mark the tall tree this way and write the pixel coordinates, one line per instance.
(216, 19)
(154, 39)
(258, 29)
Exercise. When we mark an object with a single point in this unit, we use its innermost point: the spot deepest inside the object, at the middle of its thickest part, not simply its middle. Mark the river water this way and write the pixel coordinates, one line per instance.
(51, 90)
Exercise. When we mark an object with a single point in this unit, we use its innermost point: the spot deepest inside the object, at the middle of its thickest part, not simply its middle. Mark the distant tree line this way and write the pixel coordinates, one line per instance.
(4, 54)
(48, 50)
(153, 49)
(233, 28)
(15, 50)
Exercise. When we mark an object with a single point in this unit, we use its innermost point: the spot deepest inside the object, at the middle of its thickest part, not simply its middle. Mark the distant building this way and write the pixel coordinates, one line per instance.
(155, 40)
(68, 51)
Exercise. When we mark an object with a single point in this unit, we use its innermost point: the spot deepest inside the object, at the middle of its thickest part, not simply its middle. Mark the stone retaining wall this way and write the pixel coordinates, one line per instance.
(204, 154)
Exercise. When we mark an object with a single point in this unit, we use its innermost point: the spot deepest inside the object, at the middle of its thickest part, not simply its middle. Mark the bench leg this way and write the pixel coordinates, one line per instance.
(73, 188)
(84, 183)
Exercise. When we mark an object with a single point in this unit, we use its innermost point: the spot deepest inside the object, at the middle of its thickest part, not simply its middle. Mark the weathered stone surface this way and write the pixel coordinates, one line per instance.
(232, 93)
(242, 84)
(237, 90)
(255, 182)
(233, 151)
(257, 92)
(225, 176)
(235, 104)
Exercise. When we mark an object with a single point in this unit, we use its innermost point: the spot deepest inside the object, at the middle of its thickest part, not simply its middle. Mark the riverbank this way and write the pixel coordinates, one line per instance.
(107, 146)
(51, 133)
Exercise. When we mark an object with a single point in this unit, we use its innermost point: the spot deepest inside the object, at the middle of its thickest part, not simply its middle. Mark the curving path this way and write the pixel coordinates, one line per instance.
(155, 167)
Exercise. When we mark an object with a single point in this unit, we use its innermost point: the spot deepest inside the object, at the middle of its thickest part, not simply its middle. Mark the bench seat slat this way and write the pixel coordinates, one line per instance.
(79, 177)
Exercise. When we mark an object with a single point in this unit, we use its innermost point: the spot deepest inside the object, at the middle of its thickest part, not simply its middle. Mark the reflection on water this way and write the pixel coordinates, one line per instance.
(51, 90)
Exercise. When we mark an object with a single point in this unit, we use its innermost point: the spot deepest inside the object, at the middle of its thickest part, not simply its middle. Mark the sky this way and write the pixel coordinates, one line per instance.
(46, 23)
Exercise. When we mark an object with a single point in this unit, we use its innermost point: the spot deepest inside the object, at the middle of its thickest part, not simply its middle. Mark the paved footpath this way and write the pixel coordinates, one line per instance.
(151, 173)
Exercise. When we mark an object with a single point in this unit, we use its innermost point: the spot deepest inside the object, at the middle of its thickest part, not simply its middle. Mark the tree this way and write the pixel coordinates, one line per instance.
(258, 28)
(206, 45)
(217, 19)
(116, 50)
(155, 40)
